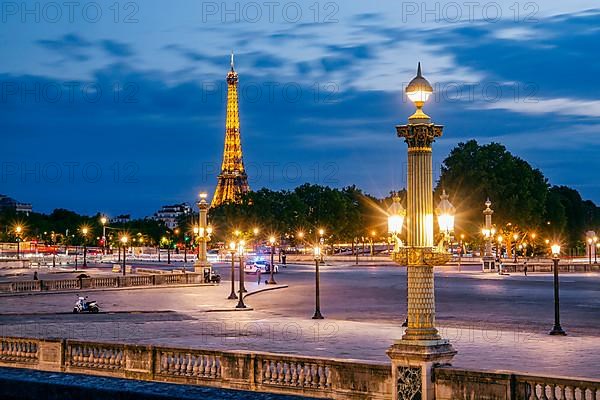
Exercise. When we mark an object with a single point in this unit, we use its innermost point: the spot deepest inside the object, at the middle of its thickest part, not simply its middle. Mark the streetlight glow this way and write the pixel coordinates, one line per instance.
(445, 212)
(272, 240)
(555, 250)
(396, 214)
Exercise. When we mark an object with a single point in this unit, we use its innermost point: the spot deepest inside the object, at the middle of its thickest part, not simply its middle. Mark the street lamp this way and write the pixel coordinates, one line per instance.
(204, 235)
(255, 231)
(124, 241)
(396, 214)
(317, 256)
(84, 232)
(499, 247)
(232, 295)
(445, 213)
(557, 329)
(590, 242)
(18, 231)
(420, 253)
(272, 280)
(241, 252)
(103, 221)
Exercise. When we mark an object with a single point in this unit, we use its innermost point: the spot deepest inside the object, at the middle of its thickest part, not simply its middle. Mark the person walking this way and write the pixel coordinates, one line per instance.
(525, 268)
(258, 275)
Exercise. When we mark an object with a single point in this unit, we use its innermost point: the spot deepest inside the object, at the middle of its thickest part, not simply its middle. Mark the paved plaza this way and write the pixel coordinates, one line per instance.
(495, 322)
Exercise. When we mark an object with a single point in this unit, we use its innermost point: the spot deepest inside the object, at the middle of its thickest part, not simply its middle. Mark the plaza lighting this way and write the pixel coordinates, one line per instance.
(255, 231)
(445, 212)
(591, 241)
(232, 247)
(103, 221)
(321, 232)
(396, 215)
(241, 245)
(317, 257)
(272, 241)
(124, 240)
(18, 231)
(84, 232)
(418, 91)
(203, 233)
(557, 329)
(420, 253)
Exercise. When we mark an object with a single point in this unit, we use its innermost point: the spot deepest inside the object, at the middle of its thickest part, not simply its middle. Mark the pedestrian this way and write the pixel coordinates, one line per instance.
(258, 275)
(525, 268)
(35, 276)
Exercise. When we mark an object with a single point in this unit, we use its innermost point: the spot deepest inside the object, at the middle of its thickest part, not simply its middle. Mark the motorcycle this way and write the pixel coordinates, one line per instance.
(85, 306)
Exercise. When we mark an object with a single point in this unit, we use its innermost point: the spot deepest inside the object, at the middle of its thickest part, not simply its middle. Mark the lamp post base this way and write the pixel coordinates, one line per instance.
(318, 315)
(557, 331)
(271, 282)
(232, 296)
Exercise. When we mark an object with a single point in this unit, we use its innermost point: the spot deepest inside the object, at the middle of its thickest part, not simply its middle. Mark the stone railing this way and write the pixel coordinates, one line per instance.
(100, 283)
(264, 372)
(457, 384)
(278, 373)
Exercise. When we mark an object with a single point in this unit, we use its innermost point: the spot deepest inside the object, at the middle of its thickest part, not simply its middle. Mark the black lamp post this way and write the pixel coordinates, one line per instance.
(84, 231)
(241, 248)
(271, 281)
(18, 231)
(590, 241)
(124, 240)
(557, 329)
(232, 295)
(318, 315)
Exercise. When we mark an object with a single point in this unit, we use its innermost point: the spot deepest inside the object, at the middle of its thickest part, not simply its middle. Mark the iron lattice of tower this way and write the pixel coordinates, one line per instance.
(233, 181)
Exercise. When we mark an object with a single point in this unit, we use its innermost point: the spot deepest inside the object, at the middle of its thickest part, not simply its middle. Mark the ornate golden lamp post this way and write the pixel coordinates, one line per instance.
(421, 346)
(489, 263)
(204, 232)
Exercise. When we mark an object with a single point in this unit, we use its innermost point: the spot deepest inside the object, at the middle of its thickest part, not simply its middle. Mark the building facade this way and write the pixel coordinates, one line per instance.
(171, 214)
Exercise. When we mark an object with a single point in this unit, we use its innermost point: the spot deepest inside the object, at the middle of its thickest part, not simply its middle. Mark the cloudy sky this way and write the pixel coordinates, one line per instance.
(119, 107)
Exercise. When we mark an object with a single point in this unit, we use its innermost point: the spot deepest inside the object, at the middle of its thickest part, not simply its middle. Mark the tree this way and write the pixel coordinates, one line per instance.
(472, 173)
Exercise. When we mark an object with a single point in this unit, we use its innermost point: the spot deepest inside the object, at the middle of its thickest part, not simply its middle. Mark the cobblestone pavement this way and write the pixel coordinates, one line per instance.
(495, 322)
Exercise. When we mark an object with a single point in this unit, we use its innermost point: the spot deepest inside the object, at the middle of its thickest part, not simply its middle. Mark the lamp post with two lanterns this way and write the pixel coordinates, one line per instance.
(204, 233)
(18, 231)
(421, 343)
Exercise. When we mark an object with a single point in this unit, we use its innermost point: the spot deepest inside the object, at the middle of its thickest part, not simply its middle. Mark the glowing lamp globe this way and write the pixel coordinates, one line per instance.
(317, 252)
(232, 246)
(445, 212)
(418, 91)
(396, 214)
(555, 249)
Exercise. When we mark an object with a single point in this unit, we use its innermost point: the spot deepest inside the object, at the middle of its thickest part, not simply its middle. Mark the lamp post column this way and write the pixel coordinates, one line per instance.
(557, 329)
(489, 263)
(241, 250)
(421, 346)
(232, 295)
(203, 227)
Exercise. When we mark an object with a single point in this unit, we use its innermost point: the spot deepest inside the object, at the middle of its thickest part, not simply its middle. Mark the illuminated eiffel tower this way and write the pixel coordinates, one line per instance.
(233, 180)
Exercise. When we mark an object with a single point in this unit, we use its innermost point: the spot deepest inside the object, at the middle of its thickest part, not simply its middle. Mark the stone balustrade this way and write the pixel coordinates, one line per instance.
(264, 372)
(457, 384)
(278, 373)
(100, 283)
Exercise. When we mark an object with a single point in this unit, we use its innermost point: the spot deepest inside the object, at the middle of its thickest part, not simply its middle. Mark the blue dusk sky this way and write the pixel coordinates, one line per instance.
(119, 107)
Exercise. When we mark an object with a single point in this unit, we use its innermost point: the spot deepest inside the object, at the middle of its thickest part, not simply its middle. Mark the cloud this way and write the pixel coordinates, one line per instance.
(116, 49)
(558, 106)
(71, 46)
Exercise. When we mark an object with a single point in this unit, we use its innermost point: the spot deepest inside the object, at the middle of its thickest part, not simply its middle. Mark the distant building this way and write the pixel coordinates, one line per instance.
(12, 204)
(121, 219)
(170, 214)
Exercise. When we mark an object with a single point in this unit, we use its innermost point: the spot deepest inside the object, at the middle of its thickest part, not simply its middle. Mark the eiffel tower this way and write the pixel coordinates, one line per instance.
(232, 181)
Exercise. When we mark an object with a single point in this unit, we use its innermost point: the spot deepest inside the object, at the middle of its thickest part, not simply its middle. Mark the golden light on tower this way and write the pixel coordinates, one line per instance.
(233, 180)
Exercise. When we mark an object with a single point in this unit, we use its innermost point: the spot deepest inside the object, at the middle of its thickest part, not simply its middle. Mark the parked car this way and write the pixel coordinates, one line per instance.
(265, 266)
